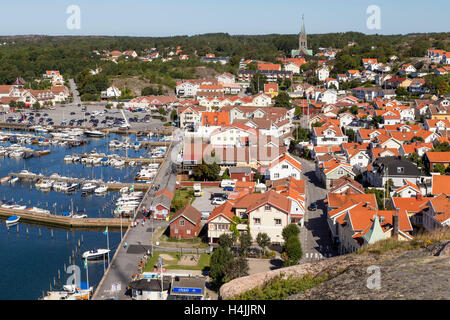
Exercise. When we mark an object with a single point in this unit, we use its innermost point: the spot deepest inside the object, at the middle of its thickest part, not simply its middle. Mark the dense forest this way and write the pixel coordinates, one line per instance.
(30, 56)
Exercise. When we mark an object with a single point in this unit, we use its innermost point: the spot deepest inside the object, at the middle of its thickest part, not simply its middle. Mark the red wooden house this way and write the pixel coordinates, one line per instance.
(186, 223)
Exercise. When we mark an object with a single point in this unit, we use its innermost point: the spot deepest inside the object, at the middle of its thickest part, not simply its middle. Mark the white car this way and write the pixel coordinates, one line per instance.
(218, 201)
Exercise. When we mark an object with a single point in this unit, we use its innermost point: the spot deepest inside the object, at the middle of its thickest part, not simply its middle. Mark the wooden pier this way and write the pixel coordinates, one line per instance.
(65, 222)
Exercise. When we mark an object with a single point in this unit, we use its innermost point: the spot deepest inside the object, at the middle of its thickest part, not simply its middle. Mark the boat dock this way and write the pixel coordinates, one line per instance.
(111, 186)
(66, 222)
(125, 159)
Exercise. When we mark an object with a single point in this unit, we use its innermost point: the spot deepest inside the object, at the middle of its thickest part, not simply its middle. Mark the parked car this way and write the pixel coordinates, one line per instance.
(312, 206)
(218, 201)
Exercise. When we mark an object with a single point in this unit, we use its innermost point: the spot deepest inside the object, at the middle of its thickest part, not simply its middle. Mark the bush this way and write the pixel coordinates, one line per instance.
(290, 230)
(280, 289)
(293, 252)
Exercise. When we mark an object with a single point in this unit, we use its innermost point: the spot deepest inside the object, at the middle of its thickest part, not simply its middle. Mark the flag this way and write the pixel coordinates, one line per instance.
(132, 188)
(85, 263)
(106, 231)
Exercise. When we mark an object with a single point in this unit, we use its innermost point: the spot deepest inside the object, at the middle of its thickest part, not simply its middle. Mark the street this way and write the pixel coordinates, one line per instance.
(139, 241)
(314, 236)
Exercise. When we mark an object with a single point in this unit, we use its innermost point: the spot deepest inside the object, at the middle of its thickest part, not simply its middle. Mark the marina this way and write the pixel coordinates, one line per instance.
(70, 202)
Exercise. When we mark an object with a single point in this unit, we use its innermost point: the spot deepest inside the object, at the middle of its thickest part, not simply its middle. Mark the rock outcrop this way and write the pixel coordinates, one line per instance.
(415, 274)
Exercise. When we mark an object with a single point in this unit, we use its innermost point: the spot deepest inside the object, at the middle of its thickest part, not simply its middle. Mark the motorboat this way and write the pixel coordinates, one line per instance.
(101, 190)
(19, 207)
(95, 253)
(94, 133)
(68, 158)
(12, 220)
(124, 190)
(79, 215)
(5, 179)
(14, 180)
(88, 187)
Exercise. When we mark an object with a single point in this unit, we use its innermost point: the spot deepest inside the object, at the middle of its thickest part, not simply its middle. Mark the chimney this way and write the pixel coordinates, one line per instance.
(419, 196)
(395, 225)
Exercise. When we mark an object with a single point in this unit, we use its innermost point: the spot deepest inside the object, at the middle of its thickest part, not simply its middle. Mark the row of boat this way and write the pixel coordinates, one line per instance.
(148, 172)
(127, 204)
(66, 187)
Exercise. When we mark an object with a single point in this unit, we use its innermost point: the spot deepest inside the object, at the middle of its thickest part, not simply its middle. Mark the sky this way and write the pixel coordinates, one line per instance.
(190, 17)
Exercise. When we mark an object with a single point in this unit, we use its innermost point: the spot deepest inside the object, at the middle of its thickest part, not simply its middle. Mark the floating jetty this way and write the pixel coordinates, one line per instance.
(141, 161)
(62, 221)
(112, 186)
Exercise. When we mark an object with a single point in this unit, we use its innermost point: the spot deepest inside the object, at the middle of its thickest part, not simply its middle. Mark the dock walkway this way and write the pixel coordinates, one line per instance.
(62, 221)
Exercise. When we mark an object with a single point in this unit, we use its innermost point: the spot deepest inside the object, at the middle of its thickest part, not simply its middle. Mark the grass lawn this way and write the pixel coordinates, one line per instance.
(173, 264)
(196, 242)
(180, 199)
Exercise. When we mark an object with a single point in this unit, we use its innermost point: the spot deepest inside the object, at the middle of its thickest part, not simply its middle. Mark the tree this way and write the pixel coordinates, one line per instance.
(257, 83)
(36, 105)
(226, 240)
(439, 168)
(351, 135)
(150, 91)
(416, 138)
(263, 240)
(220, 259)
(289, 231)
(245, 241)
(401, 91)
(236, 268)
(12, 104)
(206, 172)
(293, 251)
(441, 147)
(226, 174)
(283, 100)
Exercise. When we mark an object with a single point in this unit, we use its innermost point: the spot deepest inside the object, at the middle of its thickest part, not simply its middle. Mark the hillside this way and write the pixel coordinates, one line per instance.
(419, 269)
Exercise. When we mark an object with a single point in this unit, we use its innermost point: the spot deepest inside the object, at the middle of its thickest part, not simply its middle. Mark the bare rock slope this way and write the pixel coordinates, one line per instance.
(415, 274)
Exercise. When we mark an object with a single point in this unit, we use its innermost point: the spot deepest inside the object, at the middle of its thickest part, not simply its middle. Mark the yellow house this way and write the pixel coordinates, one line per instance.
(271, 89)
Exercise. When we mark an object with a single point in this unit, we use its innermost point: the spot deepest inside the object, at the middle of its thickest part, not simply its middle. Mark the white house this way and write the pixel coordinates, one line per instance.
(285, 166)
(322, 73)
(112, 92)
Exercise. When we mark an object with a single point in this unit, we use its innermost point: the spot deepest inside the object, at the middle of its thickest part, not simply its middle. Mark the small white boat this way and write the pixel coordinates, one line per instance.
(101, 190)
(19, 207)
(14, 180)
(79, 216)
(124, 190)
(95, 253)
(68, 158)
(88, 187)
(12, 220)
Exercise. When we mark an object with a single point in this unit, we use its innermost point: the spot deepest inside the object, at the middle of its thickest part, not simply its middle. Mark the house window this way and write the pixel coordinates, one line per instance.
(256, 221)
(284, 166)
(181, 222)
(188, 231)
(176, 230)
(277, 222)
(267, 208)
(340, 172)
(400, 170)
(276, 175)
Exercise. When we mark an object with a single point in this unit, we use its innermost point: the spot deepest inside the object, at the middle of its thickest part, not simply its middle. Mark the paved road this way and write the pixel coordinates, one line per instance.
(314, 236)
(139, 240)
(75, 93)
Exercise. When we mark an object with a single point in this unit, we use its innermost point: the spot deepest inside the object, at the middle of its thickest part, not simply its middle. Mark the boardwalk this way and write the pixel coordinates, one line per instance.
(125, 262)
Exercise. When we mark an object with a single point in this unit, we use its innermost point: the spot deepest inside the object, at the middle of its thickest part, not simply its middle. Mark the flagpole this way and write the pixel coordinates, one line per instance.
(107, 239)
(87, 274)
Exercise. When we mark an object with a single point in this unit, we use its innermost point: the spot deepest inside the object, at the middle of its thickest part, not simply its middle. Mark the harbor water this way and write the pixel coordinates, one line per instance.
(33, 257)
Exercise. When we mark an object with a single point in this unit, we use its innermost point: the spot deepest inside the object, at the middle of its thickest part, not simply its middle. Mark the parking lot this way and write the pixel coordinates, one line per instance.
(203, 203)
(95, 116)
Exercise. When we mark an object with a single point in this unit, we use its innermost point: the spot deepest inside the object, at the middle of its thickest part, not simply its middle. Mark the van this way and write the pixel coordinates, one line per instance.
(198, 190)
(228, 183)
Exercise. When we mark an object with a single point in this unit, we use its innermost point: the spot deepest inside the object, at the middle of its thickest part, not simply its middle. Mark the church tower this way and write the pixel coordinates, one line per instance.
(302, 43)
(302, 40)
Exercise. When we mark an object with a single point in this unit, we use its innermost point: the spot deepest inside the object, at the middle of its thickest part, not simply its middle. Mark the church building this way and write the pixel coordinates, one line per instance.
(302, 43)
